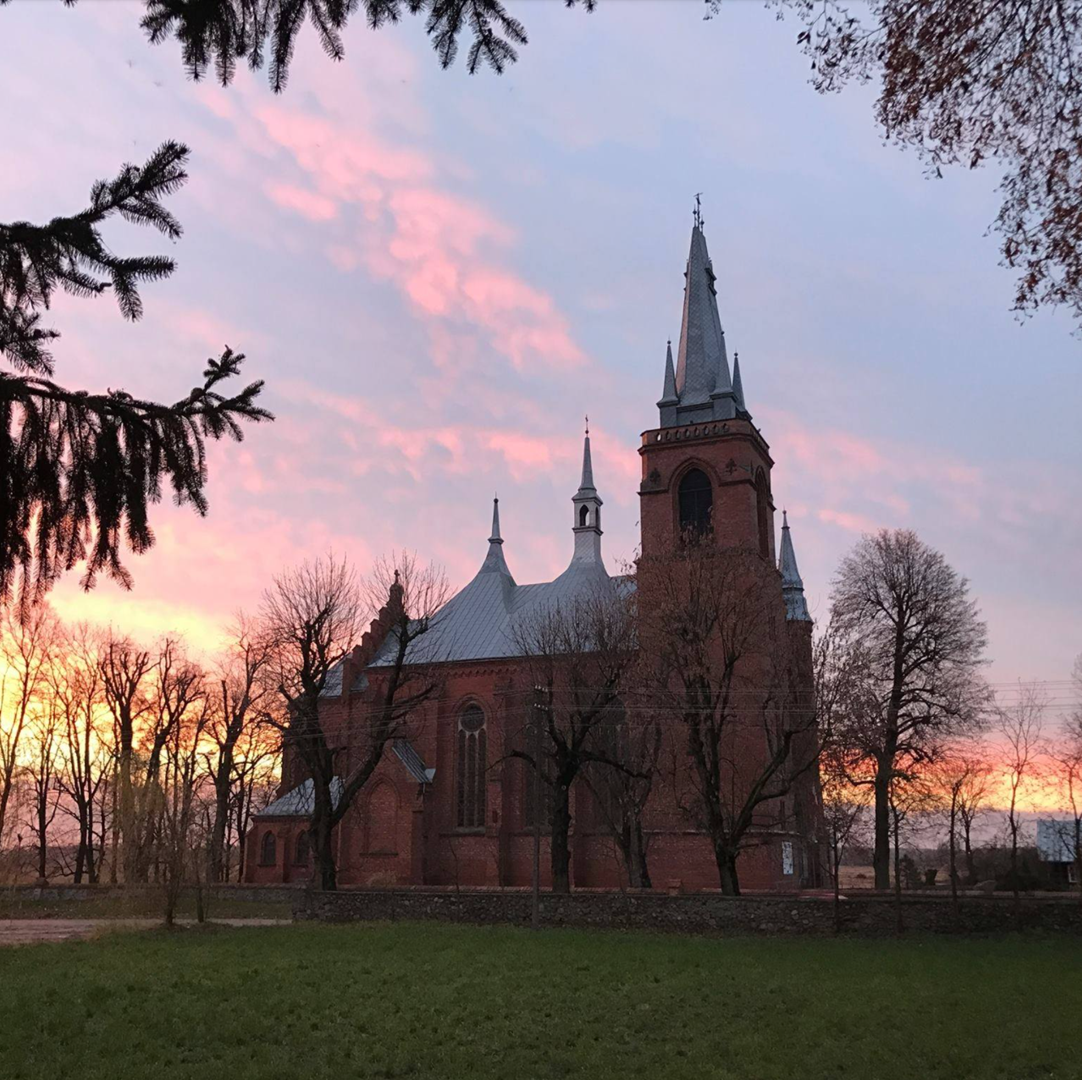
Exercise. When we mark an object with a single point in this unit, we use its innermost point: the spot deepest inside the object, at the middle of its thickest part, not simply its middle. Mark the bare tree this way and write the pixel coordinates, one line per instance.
(713, 636)
(254, 786)
(1020, 725)
(911, 802)
(125, 668)
(958, 780)
(27, 648)
(1065, 759)
(46, 729)
(240, 704)
(845, 807)
(972, 83)
(906, 618)
(87, 754)
(844, 797)
(632, 738)
(179, 838)
(311, 615)
(577, 654)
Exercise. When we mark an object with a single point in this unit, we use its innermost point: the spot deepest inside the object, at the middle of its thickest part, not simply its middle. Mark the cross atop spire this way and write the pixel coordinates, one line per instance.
(697, 213)
(586, 483)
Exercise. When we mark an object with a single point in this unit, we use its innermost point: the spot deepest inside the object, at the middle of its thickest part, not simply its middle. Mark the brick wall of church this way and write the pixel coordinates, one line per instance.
(397, 834)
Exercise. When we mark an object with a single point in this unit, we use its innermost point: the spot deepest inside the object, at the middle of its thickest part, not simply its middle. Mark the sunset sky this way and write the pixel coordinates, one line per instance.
(438, 275)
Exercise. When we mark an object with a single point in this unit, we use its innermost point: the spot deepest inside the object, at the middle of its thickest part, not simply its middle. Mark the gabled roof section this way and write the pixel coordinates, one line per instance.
(478, 622)
(300, 801)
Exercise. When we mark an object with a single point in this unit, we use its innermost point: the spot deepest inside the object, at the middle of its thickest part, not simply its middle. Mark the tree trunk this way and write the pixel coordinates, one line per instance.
(114, 831)
(727, 876)
(321, 829)
(91, 865)
(1078, 855)
(971, 868)
(221, 811)
(42, 830)
(835, 852)
(80, 851)
(638, 855)
(129, 846)
(881, 853)
(1014, 862)
(561, 844)
(953, 856)
(899, 921)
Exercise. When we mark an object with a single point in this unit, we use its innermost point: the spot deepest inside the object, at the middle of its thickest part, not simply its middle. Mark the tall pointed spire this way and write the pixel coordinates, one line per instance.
(495, 538)
(702, 385)
(792, 587)
(586, 484)
(738, 385)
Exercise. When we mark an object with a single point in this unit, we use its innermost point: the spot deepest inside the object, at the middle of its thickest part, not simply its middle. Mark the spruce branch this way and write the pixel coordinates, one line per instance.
(79, 470)
(218, 33)
(69, 253)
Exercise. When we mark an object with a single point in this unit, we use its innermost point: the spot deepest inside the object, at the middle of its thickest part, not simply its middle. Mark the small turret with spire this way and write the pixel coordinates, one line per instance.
(669, 398)
(494, 560)
(587, 509)
(792, 587)
(738, 388)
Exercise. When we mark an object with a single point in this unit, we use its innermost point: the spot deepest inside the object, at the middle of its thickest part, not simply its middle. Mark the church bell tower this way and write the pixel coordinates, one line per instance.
(706, 466)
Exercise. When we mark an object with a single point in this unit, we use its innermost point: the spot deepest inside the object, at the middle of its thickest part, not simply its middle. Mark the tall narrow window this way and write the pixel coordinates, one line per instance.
(471, 765)
(611, 787)
(762, 510)
(300, 852)
(696, 504)
(268, 850)
(584, 517)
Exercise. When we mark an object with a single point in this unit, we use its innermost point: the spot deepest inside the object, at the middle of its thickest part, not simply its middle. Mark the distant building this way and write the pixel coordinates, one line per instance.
(449, 805)
(1056, 847)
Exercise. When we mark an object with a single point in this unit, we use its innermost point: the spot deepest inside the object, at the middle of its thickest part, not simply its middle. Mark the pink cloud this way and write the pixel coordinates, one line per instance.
(306, 203)
(443, 251)
(857, 523)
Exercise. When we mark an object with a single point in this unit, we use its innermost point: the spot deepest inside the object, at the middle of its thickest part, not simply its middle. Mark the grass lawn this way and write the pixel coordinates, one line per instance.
(435, 1001)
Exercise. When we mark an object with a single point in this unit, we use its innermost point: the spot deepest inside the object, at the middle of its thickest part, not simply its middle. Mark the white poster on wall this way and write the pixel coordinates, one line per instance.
(787, 857)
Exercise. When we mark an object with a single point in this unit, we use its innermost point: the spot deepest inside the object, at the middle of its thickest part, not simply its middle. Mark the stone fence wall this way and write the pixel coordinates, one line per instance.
(873, 916)
(245, 894)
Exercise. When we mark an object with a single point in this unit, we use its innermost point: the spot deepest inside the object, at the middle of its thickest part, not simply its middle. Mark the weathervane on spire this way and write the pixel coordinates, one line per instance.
(587, 425)
(697, 216)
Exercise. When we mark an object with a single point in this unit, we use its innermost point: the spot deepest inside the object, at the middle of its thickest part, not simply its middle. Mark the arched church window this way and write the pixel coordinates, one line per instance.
(300, 850)
(611, 787)
(472, 762)
(268, 850)
(762, 510)
(696, 503)
(584, 517)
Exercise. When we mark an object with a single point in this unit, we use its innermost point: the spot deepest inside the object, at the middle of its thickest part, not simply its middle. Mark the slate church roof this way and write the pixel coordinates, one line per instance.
(478, 623)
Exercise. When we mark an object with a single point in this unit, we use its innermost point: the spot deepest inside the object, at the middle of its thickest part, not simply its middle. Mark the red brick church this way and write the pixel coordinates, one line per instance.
(449, 806)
